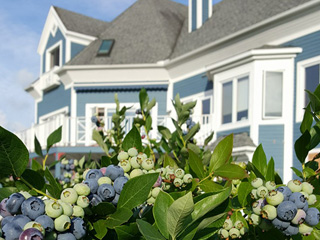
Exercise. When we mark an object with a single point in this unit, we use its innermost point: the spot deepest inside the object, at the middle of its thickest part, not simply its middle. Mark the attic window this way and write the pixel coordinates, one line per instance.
(105, 47)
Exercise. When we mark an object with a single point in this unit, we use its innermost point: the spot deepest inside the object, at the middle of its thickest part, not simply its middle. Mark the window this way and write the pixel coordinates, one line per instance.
(206, 110)
(236, 89)
(273, 94)
(105, 47)
(55, 57)
(312, 80)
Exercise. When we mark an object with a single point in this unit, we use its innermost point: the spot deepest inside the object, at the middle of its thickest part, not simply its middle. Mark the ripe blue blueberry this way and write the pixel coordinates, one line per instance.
(285, 191)
(31, 234)
(280, 224)
(3, 210)
(291, 230)
(78, 228)
(312, 217)
(95, 200)
(119, 183)
(116, 199)
(14, 203)
(113, 172)
(20, 220)
(106, 192)
(298, 199)
(33, 207)
(6, 220)
(287, 210)
(94, 174)
(46, 222)
(11, 231)
(93, 185)
(66, 236)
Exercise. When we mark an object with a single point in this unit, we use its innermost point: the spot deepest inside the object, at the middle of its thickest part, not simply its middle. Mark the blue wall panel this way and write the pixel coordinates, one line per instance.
(76, 48)
(51, 41)
(194, 15)
(193, 85)
(53, 100)
(236, 130)
(205, 10)
(272, 139)
(124, 97)
(311, 48)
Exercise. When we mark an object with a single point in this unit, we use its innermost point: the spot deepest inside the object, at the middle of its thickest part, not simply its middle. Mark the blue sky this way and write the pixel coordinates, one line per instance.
(21, 24)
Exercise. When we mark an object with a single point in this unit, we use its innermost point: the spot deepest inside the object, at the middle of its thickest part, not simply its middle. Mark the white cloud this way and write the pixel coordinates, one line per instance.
(3, 119)
(24, 77)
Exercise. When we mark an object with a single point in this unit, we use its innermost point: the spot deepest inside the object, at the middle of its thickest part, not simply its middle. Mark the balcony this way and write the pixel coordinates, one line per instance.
(78, 131)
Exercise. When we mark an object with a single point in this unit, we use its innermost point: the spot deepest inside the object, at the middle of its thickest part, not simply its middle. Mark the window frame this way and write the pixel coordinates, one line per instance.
(48, 55)
(264, 117)
(106, 54)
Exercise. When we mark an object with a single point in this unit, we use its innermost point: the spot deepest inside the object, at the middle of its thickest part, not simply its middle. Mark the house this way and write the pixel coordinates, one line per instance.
(246, 63)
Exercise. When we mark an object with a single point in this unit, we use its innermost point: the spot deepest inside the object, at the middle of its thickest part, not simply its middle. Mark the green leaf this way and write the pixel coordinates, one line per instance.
(160, 208)
(208, 139)
(36, 166)
(195, 148)
(297, 172)
(221, 153)
(192, 132)
(176, 195)
(301, 146)
(207, 221)
(121, 216)
(259, 160)
(132, 139)
(129, 232)
(14, 156)
(209, 203)
(104, 209)
(143, 98)
(243, 191)
(100, 228)
(105, 161)
(231, 171)
(151, 104)
(196, 164)
(307, 120)
(314, 101)
(168, 161)
(148, 231)
(54, 187)
(6, 192)
(96, 136)
(148, 123)
(82, 161)
(308, 172)
(165, 132)
(33, 178)
(54, 138)
(37, 147)
(136, 190)
(210, 186)
(270, 170)
(179, 214)
(251, 168)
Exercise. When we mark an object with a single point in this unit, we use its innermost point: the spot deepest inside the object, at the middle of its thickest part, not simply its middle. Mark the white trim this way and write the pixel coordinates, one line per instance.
(68, 50)
(63, 110)
(300, 104)
(264, 117)
(199, 14)
(48, 55)
(73, 115)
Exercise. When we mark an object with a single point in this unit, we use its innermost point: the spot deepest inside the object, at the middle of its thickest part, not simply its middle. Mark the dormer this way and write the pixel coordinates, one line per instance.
(199, 12)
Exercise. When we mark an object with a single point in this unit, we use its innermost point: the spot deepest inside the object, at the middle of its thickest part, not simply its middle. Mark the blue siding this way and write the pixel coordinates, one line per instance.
(194, 15)
(236, 130)
(311, 48)
(272, 139)
(124, 97)
(53, 100)
(76, 48)
(193, 85)
(51, 41)
(205, 10)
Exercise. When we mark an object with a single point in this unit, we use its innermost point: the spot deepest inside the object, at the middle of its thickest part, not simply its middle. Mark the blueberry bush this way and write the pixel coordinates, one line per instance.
(156, 189)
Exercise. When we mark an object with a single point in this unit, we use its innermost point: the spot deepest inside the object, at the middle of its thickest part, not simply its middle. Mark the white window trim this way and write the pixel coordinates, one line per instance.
(264, 117)
(234, 81)
(63, 110)
(48, 54)
(300, 86)
(199, 97)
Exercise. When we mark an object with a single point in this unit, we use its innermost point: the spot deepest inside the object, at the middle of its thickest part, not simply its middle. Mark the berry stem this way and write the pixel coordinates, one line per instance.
(34, 189)
(44, 162)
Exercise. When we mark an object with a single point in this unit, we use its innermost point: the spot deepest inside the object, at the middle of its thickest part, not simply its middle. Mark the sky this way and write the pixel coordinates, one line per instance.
(21, 24)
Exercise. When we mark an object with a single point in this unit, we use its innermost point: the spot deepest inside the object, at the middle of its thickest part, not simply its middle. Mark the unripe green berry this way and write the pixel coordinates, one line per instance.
(234, 233)
(257, 182)
(104, 180)
(62, 223)
(307, 187)
(306, 195)
(151, 171)
(254, 194)
(54, 209)
(294, 185)
(236, 181)
(133, 152)
(274, 198)
(256, 206)
(69, 195)
(304, 229)
(83, 201)
(243, 231)
(228, 224)
(269, 212)
(155, 192)
(147, 164)
(136, 173)
(312, 199)
(82, 189)
(166, 186)
(125, 164)
(262, 191)
(67, 208)
(141, 157)
(238, 225)
(271, 185)
(187, 178)
(78, 211)
(85, 174)
(134, 162)
(178, 182)
(299, 218)
(25, 194)
(224, 233)
(127, 175)
(234, 190)
(35, 225)
(123, 156)
(151, 200)
(254, 219)
(179, 173)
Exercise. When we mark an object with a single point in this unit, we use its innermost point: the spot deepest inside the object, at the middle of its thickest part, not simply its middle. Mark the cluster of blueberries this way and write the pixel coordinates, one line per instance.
(232, 230)
(68, 167)
(286, 207)
(135, 164)
(25, 217)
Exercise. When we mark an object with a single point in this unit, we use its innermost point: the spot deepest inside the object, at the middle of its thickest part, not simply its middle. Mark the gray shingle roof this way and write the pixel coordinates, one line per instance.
(230, 16)
(80, 23)
(239, 140)
(145, 33)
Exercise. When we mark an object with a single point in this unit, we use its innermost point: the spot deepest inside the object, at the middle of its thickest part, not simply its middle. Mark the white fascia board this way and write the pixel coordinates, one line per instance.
(255, 54)
(239, 150)
(293, 11)
(80, 37)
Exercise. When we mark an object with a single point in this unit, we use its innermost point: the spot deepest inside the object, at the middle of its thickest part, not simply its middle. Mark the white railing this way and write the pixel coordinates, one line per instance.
(78, 131)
